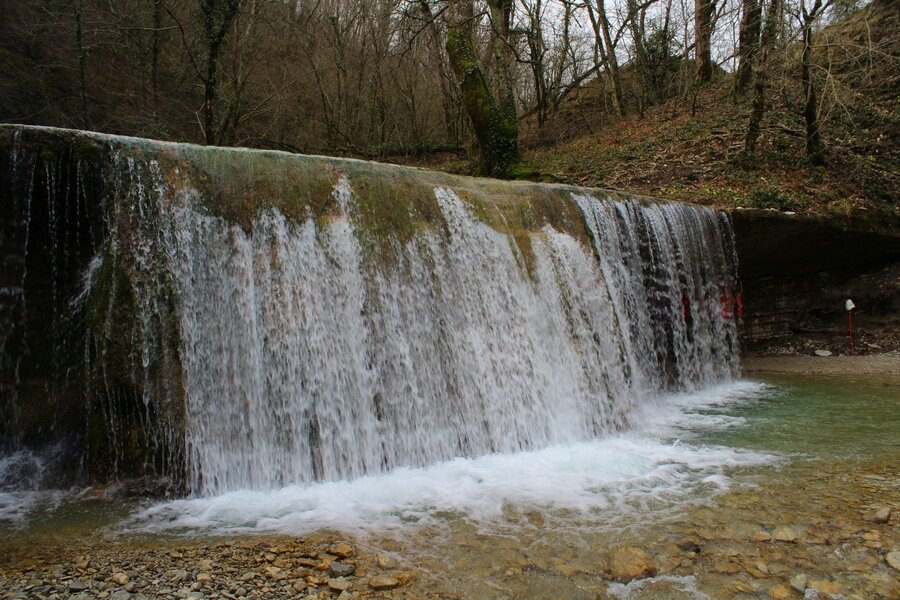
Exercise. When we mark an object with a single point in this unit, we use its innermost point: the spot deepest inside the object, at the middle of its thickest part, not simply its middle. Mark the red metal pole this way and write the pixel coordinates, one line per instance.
(850, 320)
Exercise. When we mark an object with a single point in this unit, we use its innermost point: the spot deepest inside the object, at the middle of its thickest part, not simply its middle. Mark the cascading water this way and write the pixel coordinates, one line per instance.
(297, 349)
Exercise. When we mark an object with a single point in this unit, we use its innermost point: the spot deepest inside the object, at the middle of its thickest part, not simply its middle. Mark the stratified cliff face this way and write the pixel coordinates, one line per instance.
(797, 272)
(237, 319)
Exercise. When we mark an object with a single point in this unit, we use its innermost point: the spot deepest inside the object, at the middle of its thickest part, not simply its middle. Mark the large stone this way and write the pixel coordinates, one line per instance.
(627, 564)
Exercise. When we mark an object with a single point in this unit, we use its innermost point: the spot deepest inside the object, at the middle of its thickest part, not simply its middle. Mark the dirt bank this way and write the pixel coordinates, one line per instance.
(870, 364)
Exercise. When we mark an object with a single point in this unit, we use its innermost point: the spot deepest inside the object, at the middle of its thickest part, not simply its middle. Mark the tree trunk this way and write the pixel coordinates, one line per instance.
(82, 62)
(601, 28)
(814, 147)
(703, 26)
(759, 91)
(748, 44)
(217, 17)
(495, 124)
(434, 41)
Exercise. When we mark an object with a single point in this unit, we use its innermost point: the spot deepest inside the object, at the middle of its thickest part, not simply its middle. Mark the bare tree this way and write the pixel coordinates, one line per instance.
(815, 149)
(759, 91)
(748, 44)
(704, 11)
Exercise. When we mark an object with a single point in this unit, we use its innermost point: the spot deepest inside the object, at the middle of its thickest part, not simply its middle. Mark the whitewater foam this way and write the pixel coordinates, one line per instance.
(606, 481)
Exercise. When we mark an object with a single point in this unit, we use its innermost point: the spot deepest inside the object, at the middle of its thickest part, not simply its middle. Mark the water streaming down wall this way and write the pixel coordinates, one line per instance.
(292, 346)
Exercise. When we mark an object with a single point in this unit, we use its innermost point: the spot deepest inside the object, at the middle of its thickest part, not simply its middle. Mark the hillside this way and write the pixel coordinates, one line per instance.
(690, 146)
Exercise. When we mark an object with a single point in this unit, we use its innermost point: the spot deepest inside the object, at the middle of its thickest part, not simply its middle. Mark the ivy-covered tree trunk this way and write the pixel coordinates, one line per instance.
(216, 17)
(495, 122)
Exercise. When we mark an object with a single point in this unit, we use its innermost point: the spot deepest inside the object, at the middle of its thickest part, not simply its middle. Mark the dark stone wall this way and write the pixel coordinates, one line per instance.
(797, 273)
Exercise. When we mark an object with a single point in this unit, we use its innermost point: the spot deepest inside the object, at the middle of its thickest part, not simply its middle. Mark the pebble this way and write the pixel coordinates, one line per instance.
(786, 534)
(339, 569)
(119, 578)
(383, 582)
(892, 558)
(798, 582)
(385, 561)
(881, 514)
(339, 584)
(627, 564)
(779, 591)
(825, 586)
(204, 577)
(342, 550)
(76, 585)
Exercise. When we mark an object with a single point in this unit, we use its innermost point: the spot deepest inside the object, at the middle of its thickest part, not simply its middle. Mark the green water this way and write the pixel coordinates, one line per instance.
(821, 418)
(838, 443)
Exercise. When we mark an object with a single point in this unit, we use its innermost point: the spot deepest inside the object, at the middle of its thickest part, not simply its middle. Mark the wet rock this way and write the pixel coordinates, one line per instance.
(893, 559)
(309, 563)
(881, 514)
(177, 575)
(386, 562)
(758, 570)
(205, 565)
(342, 550)
(745, 587)
(825, 586)
(339, 569)
(798, 582)
(119, 578)
(761, 536)
(726, 567)
(273, 572)
(627, 564)
(779, 591)
(383, 582)
(786, 534)
(339, 584)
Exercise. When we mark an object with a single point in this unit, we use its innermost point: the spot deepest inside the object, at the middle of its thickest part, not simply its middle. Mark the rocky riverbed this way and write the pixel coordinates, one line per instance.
(798, 533)
(820, 522)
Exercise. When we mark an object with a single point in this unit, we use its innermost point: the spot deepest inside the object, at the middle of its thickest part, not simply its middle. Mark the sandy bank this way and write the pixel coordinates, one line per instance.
(869, 364)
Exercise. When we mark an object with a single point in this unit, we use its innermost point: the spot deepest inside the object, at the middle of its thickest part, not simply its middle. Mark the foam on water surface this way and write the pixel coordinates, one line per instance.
(606, 482)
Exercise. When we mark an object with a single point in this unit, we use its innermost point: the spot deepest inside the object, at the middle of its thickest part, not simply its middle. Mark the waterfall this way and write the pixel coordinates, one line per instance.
(292, 346)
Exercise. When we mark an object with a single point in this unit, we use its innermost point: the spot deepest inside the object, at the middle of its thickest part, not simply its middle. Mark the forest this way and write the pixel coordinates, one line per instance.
(789, 104)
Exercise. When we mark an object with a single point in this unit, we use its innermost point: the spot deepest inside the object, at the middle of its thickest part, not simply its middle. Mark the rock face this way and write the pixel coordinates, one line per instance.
(797, 272)
(160, 297)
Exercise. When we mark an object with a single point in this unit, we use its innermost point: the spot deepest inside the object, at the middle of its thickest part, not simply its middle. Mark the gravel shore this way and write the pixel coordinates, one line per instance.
(869, 364)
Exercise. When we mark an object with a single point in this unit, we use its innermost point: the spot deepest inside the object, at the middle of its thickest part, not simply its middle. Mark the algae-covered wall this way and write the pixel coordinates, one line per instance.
(95, 354)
